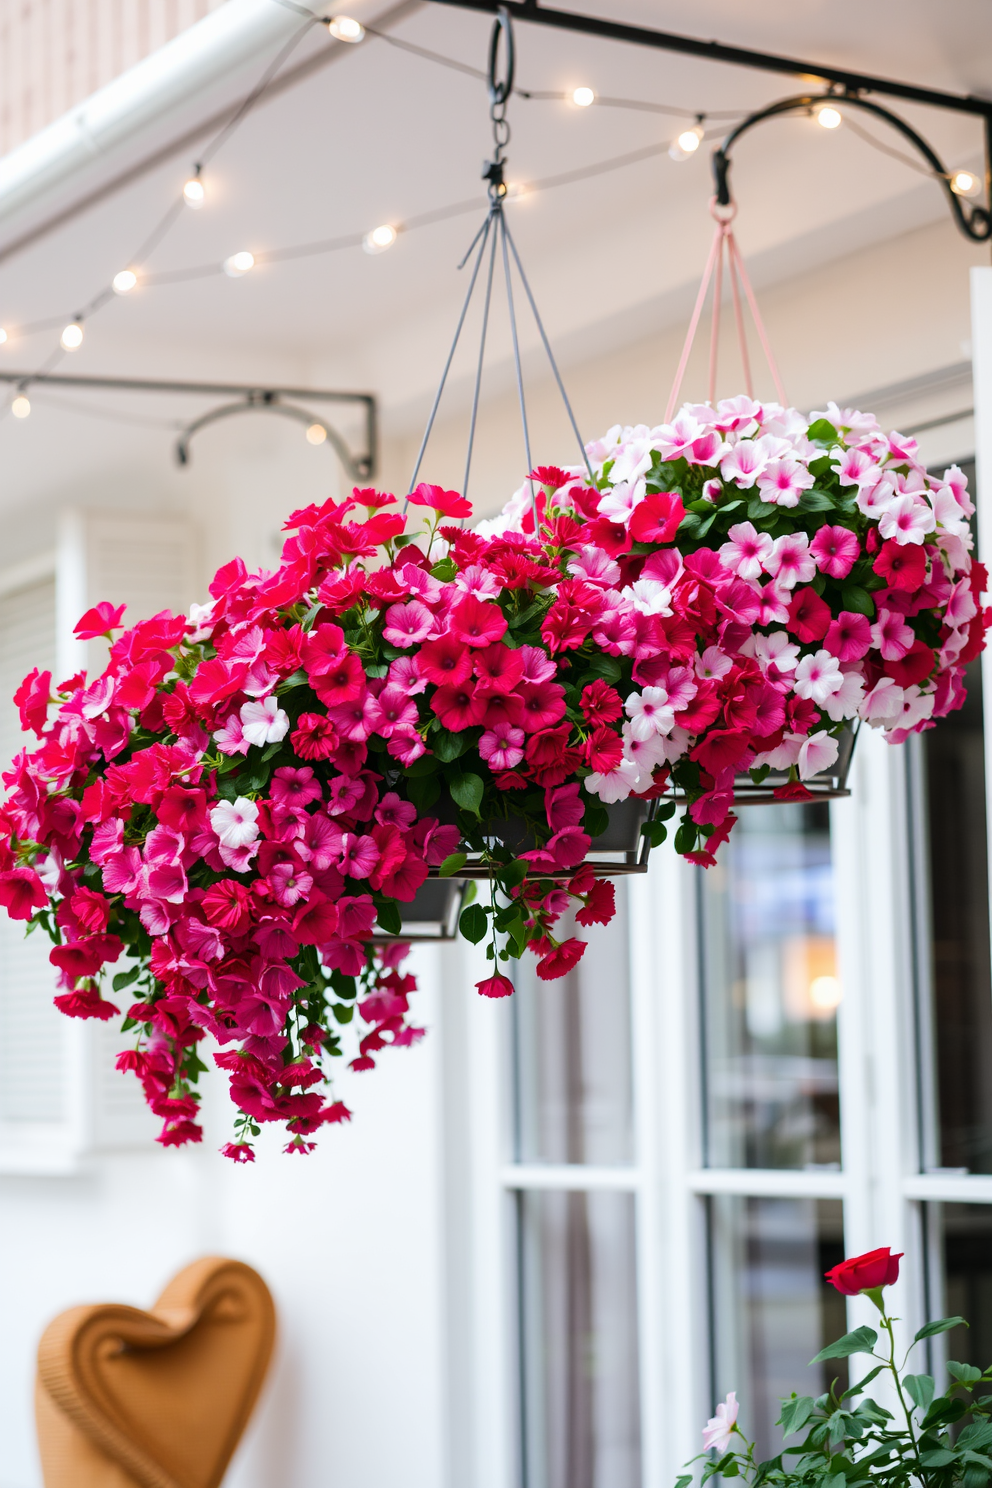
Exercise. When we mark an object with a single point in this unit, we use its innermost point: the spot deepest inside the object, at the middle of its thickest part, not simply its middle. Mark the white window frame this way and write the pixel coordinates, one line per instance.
(881, 1182)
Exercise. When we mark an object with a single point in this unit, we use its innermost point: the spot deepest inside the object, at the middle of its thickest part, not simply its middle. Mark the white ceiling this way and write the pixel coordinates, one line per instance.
(383, 135)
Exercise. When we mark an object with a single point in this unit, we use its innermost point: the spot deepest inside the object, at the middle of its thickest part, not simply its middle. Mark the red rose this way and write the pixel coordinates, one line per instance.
(865, 1273)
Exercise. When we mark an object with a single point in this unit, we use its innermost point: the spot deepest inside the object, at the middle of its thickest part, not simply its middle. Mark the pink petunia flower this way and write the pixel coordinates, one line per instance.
(407, 625)
(817, 752)
(892, 635)
(907, 519)
(720, 1428)
(502, 746)
(747, 550)
(836, 551)
(790, 561)
(783, 482)
(849, 636)
(292, 787)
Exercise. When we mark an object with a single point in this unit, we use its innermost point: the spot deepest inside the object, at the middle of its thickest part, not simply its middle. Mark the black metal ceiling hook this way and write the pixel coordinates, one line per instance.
(501, 88)
(974, 220)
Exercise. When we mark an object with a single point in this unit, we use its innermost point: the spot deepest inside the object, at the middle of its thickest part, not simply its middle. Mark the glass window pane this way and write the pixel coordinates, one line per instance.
(965, 1242)
(771, 1308)
(959, 915)
(580, 1387)
(573, 1055)
(771, 992)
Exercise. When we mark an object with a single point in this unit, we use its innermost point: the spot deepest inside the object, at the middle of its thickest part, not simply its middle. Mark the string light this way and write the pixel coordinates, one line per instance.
(829, 118)
(3, 335)
(583, 97)
(21, 406)
(316, 434)
(343, 28)
(194, 192)
(964, 183)
(379, 239)
(72, 336)
(686, 143)
(238, 264)
(125, 281)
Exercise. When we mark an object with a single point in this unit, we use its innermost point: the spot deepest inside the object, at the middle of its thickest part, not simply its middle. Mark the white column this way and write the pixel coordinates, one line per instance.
(981, 341)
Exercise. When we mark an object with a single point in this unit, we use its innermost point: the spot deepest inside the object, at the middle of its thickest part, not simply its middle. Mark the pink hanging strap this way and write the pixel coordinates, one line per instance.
(738, 282)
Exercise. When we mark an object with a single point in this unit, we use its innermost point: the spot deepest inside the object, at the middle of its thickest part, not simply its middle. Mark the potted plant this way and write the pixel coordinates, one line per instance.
(241, 805)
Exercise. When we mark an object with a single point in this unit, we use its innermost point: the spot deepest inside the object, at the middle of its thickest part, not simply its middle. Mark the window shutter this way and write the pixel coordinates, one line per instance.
(149, 564)
(33, 1043)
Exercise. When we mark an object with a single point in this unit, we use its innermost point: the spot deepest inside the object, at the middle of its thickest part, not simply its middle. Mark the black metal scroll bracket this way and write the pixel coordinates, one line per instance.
(853, 83)
(974, 220)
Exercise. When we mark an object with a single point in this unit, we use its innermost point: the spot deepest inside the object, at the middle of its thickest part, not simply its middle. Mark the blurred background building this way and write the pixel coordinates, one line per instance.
(555, 1232)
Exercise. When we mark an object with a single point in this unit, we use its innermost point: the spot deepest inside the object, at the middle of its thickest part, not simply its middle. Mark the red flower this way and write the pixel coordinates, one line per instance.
(448, 503)
(560, 961)
(495, 986)
(809, 616)
(86, 1005)
(31, 700)
(99, 621)
(865, 1273)
(913, 667)
(722, 749)
(603, 750)
(457, 707)
(600, 905)
(226, 904)
(498, 669)
(656, 519)
(445, 660)
(793, 790)
(477, 622)
(314, 737)
(543, 705)
(902, 565)
(21, 892)
(600, 703)
(238, 1152)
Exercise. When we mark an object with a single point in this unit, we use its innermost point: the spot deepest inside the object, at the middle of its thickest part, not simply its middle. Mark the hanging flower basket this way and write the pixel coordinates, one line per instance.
(226, 832)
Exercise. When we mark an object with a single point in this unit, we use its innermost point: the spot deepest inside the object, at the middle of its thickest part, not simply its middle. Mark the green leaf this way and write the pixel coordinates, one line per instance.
(943, 1412)
(425, 765)
(861, 1341)
(298, 679)
(468, 791)
(929, 1330)
(445, 570)
(514, 873)
(655, 832)
(685, 837)
(448, 746)
(822, 431)
(795, 1413)
(343, 1011)
(596, 819)
(451, 864)
(424, 792)
(920, 1388)
(125, 978)
(606, 667)
(758, 773)
(966, 1374)
(474, 923)
(815, 501)
(270, 750)
(389, 917)
(940, 1458)
(859, 601)
(311, 615)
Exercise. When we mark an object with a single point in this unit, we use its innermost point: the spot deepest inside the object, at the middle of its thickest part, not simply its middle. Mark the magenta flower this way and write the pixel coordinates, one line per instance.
(407, 624)
(849, 637)
(836, 550)
(892, 635)
(502, 746)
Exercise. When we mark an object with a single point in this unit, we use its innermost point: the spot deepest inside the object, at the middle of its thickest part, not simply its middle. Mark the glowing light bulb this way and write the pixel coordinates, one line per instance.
(316, 434)
(379, 239)
(964, 183)
(21, 406)
(72, 336)
(194, 193)
(238, 264)
(583, 97)
(516, 189)
(343, 28)
(3, 335)
(686, 143)
(125, 281)
(829, 118)
(825, 993)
